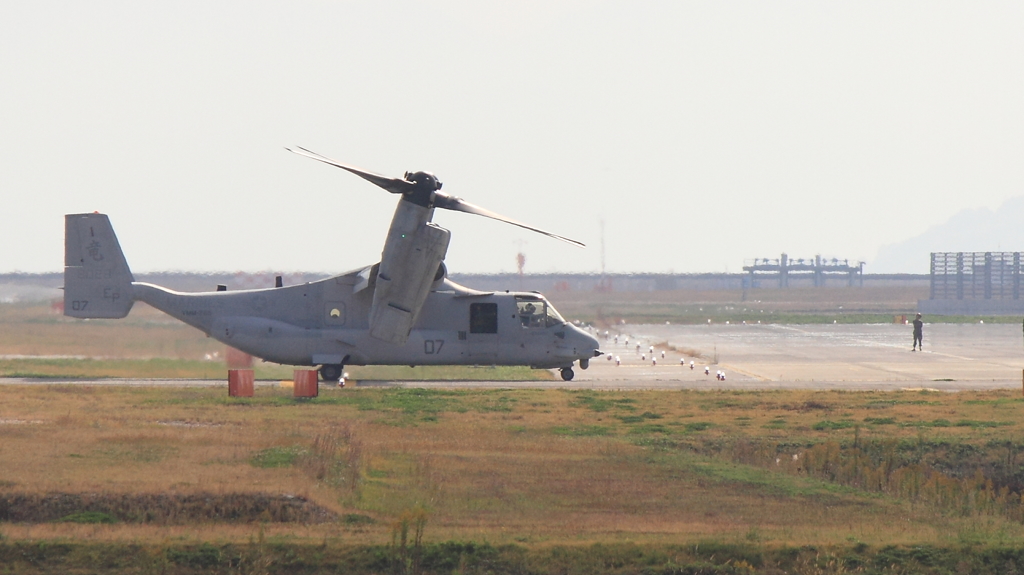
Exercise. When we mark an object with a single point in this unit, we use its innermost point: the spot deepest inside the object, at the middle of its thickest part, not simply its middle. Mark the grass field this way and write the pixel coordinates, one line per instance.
(404, 471)
(383, 480)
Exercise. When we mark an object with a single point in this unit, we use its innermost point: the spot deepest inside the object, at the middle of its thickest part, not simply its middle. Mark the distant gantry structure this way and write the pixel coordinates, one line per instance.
(817, 269)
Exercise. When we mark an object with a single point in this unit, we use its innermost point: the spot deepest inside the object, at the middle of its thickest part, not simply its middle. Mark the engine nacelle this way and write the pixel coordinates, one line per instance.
(412, 256)
(439, 277)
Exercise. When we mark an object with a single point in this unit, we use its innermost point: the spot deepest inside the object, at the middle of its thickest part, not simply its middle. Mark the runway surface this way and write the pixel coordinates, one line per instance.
(878, 356)
(854, 357)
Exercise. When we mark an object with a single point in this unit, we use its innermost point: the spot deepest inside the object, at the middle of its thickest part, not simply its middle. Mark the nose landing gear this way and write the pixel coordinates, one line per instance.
(567, 373)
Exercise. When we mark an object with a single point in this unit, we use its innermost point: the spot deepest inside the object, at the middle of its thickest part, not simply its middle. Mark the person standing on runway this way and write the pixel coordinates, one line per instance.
(918, 333)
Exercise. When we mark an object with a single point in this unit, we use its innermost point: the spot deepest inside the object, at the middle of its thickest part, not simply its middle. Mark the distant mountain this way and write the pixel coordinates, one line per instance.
(972, 230)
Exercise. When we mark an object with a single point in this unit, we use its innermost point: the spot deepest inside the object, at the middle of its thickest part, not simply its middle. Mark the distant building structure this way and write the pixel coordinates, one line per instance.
(818, 270)
(974, 283)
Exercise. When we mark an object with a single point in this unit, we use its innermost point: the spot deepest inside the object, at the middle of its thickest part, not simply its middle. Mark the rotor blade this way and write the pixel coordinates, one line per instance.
(459, 205)
(393, 185)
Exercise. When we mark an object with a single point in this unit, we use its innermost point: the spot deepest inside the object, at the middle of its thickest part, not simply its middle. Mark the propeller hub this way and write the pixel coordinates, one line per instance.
(424, 184)
(424, 179)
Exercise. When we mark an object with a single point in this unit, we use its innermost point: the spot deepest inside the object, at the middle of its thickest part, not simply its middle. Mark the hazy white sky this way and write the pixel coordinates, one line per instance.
(701, 133)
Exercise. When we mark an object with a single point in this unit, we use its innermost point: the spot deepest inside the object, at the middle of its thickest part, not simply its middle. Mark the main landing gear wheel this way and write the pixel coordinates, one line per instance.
(331, 372)
(567, 373)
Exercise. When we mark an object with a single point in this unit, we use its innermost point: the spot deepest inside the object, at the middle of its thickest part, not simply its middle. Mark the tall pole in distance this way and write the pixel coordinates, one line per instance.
(520, 262)
(603, 279)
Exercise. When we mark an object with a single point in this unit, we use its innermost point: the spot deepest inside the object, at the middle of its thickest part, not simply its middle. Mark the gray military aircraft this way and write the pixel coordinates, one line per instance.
(401, 311)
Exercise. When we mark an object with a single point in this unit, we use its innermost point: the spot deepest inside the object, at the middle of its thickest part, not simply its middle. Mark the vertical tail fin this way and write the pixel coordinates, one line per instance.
(97, 281)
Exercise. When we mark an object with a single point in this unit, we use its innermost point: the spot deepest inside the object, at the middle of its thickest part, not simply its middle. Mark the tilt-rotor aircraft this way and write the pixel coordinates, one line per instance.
(401, 311)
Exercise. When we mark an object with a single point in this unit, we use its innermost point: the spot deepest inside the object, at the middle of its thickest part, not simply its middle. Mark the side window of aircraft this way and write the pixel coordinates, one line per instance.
(483, 318)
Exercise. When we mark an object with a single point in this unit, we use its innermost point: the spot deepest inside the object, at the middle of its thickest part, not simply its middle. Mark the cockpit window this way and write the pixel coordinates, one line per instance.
(537, 313)
(552, 317)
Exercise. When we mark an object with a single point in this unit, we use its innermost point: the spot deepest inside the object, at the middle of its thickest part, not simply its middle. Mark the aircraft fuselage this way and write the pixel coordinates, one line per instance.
(327, 322)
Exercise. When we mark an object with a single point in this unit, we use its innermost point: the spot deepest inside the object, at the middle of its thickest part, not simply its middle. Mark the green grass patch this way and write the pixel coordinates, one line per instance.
(880, 420)
(501, 404)
(765, 480)
(357, 519)
(995, 402)
(645, 416)
(959, 423)
(980, 424)
(410, 401)
(204, 556)
(884, 404)
(725, 404)
(600, 404)
(695, 426)
(276, 457)
(582, 430)
(651, 428)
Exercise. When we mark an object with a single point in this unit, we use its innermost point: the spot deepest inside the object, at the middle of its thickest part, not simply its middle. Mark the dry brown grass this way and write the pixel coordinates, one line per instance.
(35, 329)
(531, 466)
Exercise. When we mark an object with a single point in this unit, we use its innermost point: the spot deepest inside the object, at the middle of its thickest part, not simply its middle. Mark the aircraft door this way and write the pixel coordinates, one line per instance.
(482, 339)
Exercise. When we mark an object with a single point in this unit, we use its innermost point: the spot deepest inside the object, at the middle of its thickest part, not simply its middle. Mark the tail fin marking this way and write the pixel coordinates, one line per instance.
(97, 281)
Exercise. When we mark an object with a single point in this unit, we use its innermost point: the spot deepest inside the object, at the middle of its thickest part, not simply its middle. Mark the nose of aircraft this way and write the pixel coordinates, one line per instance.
(587, 346)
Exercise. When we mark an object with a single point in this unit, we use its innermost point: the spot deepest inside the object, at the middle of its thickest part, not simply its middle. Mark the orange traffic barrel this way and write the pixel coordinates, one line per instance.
(240, 382)
(237, 359)
(305, 383)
